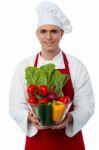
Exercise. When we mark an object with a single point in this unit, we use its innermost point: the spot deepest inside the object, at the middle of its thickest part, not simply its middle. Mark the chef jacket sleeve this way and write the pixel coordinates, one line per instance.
(18, 108)
(83, 101)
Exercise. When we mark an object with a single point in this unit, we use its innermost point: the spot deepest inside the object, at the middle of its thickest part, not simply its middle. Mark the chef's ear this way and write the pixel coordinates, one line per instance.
(37, 33)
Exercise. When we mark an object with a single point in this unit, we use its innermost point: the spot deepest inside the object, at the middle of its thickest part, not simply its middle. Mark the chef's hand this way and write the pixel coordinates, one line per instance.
(35, 121)
(67, 120)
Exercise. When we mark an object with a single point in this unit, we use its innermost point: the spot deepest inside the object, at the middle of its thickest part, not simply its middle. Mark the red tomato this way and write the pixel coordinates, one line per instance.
(42, 100)
(43, 90)
(32, 100)
(31, 89)
(65, 99)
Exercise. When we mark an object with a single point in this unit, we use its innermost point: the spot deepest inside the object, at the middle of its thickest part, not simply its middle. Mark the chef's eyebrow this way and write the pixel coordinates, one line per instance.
(42, 30)
(45, 30)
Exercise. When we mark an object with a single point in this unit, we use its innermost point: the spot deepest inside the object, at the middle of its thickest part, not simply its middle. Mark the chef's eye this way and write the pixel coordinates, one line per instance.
(54, 31)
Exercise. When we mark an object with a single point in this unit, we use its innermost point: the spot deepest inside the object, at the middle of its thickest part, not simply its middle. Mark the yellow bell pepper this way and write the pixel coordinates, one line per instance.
(58, 110)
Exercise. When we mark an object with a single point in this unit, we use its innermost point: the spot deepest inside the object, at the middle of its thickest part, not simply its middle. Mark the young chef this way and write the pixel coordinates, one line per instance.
(52, 24)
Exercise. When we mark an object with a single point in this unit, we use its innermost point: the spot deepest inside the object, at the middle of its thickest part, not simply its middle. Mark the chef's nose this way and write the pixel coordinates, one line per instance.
(48, 35)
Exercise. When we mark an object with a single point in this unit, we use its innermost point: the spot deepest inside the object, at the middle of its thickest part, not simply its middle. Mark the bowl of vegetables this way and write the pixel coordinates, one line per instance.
(44, 94)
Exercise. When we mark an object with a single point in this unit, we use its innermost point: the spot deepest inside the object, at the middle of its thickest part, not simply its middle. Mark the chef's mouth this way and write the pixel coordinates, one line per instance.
(49, 43)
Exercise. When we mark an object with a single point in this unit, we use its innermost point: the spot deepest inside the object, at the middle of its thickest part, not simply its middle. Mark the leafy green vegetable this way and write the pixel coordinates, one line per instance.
(58, 80)
(29, 74)
(48, 69)
(47, 75)
(39, 77)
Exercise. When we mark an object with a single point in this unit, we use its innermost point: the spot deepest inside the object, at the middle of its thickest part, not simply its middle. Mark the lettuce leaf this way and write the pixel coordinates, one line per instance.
(58, 80)
(48, 75)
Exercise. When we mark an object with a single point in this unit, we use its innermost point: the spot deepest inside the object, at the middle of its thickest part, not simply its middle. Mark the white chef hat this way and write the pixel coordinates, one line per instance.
(49, 13)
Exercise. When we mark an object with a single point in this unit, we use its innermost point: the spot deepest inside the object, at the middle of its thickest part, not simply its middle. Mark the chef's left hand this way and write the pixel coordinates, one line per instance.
(68, 119)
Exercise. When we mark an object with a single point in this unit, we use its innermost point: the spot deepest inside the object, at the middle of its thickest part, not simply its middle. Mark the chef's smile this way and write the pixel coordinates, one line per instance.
(49, 43)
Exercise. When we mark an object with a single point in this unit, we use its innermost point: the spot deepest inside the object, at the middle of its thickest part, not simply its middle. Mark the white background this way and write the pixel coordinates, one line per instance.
(17, 41)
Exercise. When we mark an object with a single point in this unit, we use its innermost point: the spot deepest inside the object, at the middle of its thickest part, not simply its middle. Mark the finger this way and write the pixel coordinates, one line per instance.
(30, 113)
(55, 127)
(34, 120)
(61, 125)
(38, 126)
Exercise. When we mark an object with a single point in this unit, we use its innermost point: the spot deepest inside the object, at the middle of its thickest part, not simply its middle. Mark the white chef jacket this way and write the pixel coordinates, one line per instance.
(83, 94)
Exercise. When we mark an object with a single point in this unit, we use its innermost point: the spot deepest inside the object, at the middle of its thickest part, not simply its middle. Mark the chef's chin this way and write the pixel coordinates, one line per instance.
(48, 49)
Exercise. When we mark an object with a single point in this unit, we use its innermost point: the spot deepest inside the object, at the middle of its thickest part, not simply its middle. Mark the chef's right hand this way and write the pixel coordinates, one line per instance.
(35, 121)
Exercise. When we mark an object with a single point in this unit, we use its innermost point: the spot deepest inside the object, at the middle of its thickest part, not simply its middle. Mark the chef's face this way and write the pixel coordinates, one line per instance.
(49, 37)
